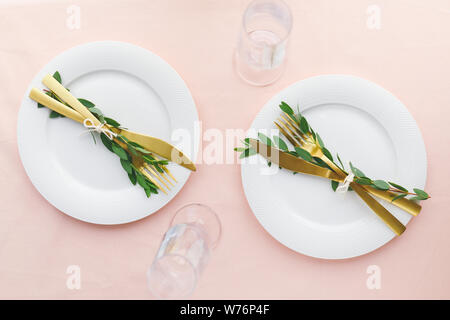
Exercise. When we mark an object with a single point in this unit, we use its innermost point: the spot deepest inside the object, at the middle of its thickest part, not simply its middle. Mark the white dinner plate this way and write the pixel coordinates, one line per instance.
(366, 125)
(129, 84)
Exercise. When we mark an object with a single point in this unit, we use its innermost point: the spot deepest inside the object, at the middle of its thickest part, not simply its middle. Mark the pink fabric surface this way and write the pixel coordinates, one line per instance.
(408, 55)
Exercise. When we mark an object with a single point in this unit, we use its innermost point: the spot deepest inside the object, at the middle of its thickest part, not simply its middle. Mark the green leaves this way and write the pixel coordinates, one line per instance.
(302, 153)
(277, 141)
(146, 184)
(319, 141)
(364, 181)
(313, 134)
(54, 114)
(126, 165)
(334, 185)
(106, 142)
(327, 153)
(380, 184)
(340, 161)
(280, 143)
(150, 160)
(135, 147)
(321, 163)
(247, 150)
(286, 108)
(247, 153)
(264, 139)
(304, 126)
(112, 122)
(141, 180)
(86, 103)
(142, 150)
(402, 195)
(119, 151)
(137, 177)
(96, 111)
(420, 195)
(356, 171)
(399, 187)
(57, 76)
(98, 114)
(132, 178)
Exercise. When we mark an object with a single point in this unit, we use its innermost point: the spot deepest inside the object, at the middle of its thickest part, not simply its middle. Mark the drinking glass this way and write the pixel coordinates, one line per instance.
(184, 252)
(261, 50)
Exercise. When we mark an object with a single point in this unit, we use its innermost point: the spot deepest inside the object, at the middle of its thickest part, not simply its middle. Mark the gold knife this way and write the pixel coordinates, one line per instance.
(152, 144)
(289, 162)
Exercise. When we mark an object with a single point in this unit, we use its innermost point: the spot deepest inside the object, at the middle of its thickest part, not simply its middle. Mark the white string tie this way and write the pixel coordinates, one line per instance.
(89, 124)
(343, 187)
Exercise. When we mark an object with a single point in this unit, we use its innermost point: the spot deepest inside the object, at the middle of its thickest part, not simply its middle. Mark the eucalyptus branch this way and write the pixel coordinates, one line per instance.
(307, 134)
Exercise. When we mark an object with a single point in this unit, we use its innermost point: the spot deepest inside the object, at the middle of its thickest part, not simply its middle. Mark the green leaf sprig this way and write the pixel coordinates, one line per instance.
(313, 137)
(115, 146)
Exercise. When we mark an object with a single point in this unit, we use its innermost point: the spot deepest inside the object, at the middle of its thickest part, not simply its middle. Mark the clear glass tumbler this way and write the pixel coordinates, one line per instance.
(261, 50)
(184, 252)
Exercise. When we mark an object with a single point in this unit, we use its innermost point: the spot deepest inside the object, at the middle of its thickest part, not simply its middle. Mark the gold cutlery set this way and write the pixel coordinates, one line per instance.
(306, 141)
(80, 113)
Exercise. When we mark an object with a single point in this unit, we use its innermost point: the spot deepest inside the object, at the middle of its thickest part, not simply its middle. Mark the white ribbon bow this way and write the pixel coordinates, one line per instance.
(343, 187)
(89, 124)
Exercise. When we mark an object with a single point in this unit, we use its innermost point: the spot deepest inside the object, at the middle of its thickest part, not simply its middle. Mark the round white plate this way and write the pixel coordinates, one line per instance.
(368, 126)
(129, 84)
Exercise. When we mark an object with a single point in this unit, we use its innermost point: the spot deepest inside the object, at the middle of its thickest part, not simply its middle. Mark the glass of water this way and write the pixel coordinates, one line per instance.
(261, 50)
(184, 252)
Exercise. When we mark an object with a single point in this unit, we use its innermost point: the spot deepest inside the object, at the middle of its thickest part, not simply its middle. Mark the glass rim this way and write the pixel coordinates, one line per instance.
(284, 4)
(214, 242)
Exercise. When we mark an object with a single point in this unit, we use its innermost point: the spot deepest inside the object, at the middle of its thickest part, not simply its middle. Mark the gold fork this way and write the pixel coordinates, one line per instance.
(151, 173)
(288, 127)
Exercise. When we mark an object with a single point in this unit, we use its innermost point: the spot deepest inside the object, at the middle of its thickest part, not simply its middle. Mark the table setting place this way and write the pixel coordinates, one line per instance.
(332, 167)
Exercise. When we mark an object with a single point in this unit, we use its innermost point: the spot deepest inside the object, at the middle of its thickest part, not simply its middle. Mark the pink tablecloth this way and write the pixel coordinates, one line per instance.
(408, 55)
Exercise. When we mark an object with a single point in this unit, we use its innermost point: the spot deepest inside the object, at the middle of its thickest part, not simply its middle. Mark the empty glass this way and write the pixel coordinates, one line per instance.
(184, 252)
(260, 54)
